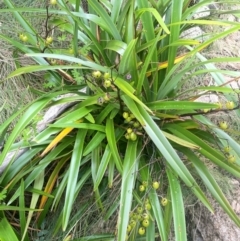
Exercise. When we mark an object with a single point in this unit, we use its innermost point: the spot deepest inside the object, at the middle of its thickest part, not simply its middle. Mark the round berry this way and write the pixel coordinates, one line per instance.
(141, 188)
(141, 230)
(148, 206)
(145, 183)
(139, 210)
(133, 136)
(133, 223)
(223, 125)
(24, 38)
(49, 40)
(129, 130)
(129, 228)
(53, 2)
(145, 216)
(231, 158)
(107, 83)
(106, 97)
(206, 110)
(227, 149)
(132, 115)
(136, 124)
(106, 75)
(230, 105)
(96, 74)
(164, 201)
(125, 115)
(145, 223)
(219, 105)
(128, 119)
(127, 136)
(156, 185)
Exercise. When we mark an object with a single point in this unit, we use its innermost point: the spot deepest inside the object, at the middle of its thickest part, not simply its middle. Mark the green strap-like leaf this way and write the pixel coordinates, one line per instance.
(171, 156)
(212, 185)
(73, 176)
(130, 166)
(112, 143)
(177, 207)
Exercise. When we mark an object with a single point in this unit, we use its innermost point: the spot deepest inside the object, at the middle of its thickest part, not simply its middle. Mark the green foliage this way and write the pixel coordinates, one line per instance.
(129, 119)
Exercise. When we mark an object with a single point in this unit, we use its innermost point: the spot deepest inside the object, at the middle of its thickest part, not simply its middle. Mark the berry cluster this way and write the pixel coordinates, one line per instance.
(107, 81)
(140, 218)
(133, 126)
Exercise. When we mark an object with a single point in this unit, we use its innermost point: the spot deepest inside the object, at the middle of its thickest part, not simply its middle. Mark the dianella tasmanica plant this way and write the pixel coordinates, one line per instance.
(119, 66)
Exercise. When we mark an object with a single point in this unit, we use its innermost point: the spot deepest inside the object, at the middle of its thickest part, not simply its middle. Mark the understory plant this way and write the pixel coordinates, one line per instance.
(120, 72)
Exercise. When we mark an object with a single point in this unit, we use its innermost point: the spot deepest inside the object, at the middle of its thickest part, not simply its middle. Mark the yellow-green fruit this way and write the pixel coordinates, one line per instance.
(129, 130)
(127, 136)
(96, 74)
(128, 119)
(24, 38)
(133, 223)
(132, 115)
(70, 51)
(106, 75)
(156, 185)
(49, 40)
(133, 136)
(145, 223)
(144, 183)
(125, 115)
(227, 149)
(21, 36)
(107, 83)
(145, 216)
(230, 105)
(164, 201)
(205, 110)
(223, 125)
(141, 231)
(106, 97)
(141, 188)
(53, 2)
(139, 210)
(146, 200)
(231, 158)
(219, 105)
(136, 124)
(148, 206)
(129, 228)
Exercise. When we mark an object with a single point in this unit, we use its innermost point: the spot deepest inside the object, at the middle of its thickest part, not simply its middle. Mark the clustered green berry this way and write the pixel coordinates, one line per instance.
(223, 125)
(164, 201)
(230, 105)
(49, 40)
(231, 158)
(23, 37)
(133, 126)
